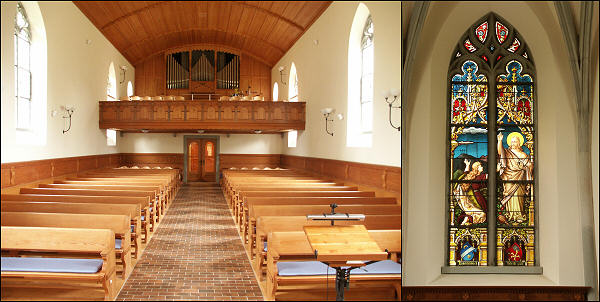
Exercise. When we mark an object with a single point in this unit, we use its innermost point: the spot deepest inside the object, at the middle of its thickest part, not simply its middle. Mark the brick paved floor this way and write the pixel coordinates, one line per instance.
(195, 254)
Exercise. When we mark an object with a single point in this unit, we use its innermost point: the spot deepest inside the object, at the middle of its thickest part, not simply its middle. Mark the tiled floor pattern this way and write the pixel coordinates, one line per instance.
(195, 254)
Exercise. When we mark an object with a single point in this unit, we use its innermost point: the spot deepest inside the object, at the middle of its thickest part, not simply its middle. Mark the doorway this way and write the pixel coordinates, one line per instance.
(201, 159)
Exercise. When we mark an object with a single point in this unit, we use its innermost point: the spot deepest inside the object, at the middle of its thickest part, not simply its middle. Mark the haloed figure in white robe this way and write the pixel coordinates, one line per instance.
(514, 164)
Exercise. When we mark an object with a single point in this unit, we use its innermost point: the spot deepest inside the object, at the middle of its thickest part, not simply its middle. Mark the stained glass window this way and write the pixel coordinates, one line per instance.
(366, 79)
(23, 68)
(491, 145)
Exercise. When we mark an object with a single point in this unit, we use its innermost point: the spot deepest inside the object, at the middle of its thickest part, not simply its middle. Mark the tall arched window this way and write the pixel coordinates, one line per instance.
(129, 89)
(275, 92)
(491, 145)
(111, 95)
(366, 78)
(293, 97)
(23, 68)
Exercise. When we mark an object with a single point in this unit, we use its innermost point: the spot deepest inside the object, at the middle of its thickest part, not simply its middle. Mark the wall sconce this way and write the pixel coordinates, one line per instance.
(387, 94)
(68, 112)
(281, 74)
(123, 69)
(327, 112)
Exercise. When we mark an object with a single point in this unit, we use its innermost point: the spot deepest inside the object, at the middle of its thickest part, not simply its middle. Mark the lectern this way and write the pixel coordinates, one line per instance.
(344, 248)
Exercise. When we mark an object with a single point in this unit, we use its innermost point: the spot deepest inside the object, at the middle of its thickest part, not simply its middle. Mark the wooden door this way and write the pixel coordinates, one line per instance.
(201, 160)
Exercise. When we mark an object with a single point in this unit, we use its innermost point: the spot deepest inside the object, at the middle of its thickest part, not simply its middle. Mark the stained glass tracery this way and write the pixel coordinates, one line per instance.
(512, 209)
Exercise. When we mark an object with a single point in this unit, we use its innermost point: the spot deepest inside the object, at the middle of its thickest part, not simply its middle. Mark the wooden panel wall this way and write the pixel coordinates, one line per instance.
(150, 76)
(21, 173)
(250, 160)
(494, 293)
(385, 178)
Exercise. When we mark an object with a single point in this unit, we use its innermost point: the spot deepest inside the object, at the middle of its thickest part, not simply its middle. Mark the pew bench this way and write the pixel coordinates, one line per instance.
(294, 274)
(118, 224)
(96, 244)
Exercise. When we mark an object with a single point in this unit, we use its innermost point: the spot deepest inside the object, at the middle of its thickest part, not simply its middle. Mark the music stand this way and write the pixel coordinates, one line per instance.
(342, 247)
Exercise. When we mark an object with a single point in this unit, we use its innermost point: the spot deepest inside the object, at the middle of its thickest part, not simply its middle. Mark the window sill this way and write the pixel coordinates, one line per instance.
(516, 270)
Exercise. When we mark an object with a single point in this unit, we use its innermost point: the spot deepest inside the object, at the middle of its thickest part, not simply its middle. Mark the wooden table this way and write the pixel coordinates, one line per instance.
(343, 247)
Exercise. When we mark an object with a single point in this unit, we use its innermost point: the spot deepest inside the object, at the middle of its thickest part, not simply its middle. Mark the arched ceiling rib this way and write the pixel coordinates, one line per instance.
(263, 29)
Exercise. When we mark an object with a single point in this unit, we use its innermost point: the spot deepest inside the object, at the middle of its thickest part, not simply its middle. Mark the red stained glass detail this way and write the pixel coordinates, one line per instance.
(485, 58)
(469, 46)
(501, 32)
(523, 106)
(498, 58)
(482, 31)
(459, 105)
(515, 253)
(515, 45)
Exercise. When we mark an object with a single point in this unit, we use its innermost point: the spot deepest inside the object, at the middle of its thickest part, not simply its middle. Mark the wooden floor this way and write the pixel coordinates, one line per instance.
(195, 254)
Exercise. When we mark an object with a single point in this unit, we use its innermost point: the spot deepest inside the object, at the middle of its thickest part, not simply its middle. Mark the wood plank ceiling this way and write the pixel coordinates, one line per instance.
(263, 29)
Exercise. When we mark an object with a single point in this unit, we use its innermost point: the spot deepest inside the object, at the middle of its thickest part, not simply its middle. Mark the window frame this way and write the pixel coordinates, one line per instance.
(19, 66)
(492, 70)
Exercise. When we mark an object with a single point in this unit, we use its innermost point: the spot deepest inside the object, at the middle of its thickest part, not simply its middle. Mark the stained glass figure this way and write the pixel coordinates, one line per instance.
(501, 32)
(507, 200)
(481, 31)
(515, 45)
(469, 46)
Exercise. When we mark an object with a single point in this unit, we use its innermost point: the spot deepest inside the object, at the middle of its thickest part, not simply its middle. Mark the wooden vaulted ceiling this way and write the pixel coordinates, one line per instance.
(263, 29)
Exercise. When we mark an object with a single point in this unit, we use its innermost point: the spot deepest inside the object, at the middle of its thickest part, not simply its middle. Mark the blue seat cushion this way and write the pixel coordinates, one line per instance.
(51, 265)
(379, 267)
(265, 247)
(303, 268)
(117, 243)
(313, 268)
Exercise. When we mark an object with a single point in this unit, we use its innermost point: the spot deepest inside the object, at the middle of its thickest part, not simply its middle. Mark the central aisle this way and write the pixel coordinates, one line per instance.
(195, 254)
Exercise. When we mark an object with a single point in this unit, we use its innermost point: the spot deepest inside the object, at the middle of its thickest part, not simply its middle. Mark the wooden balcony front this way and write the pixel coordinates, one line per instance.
(210, 116)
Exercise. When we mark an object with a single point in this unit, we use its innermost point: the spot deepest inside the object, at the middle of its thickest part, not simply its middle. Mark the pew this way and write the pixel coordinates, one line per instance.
(119, 224)
(159, 198)
(132, 210)
(242, 211)
(143, 202)
(256, 211)
(268, 224)
(98, 244)
(148, 194)
(173, 183)
(284, 247)
(164, 184)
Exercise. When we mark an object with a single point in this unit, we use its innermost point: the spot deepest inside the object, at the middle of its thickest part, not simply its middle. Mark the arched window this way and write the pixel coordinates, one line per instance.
(366, 78)
(23, 68)
(491, 148)
(275, 92)
(129, 89)
(293, 97)
(361, 59)
(111, 95)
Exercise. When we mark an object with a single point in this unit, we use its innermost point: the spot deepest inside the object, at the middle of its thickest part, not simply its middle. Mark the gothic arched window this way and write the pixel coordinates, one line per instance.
(366, 78)
(491, 137)
(23, 68)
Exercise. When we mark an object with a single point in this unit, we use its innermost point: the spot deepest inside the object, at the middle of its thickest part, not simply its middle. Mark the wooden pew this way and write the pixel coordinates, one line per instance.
(119, 224)
(256, 211)
(148, 194)
(159, 198)
(132, 210)
(164, 184)
(294, 246)
(269, 224)
(172, 182)
(252, 201)
(234, 189)
(143, 202)
(96, 243)
(162, 187)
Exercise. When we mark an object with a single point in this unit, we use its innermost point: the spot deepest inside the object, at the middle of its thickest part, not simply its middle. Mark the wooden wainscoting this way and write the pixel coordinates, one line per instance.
(385, 179)
(20, 174)
(250, 161)
(490, 293)
(173, 160)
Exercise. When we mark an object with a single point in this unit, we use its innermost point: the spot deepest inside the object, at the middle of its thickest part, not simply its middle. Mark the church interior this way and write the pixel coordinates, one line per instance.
(299, 150)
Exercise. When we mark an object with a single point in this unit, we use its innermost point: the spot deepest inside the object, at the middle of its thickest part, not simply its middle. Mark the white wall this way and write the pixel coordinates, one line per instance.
(559, 241)
(166, 143)
(76, 74)
(323, 82)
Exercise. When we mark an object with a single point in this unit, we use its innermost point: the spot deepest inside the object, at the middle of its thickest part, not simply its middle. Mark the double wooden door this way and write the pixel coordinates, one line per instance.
(201, 165)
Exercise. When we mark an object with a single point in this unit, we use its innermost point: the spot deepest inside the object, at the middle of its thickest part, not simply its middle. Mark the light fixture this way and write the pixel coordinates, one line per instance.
(327, 112)
(145, 131)
(200, 131)
(69, 109)
(123, 69)
(281, 74)
(387, 94)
